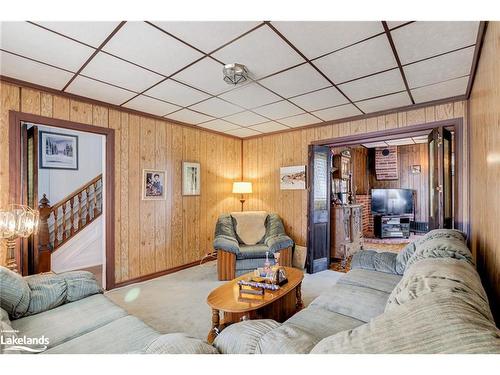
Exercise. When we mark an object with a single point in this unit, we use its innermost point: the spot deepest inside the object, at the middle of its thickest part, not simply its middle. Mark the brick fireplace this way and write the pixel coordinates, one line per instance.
(366, 202)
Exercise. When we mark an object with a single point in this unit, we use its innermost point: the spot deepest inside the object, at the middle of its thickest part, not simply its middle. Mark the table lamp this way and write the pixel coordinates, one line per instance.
(241, 187)
(17, 221)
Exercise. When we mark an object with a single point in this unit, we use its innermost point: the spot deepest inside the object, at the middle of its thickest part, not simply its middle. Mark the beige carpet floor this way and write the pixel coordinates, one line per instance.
(177, 302)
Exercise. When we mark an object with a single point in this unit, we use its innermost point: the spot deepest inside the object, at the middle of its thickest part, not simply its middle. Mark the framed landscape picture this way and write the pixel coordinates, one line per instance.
(190, 178)
(58, 151)
(153, 184)
(293, 178)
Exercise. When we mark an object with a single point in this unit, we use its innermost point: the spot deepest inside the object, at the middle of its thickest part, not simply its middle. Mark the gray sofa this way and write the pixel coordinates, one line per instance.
(426, 299)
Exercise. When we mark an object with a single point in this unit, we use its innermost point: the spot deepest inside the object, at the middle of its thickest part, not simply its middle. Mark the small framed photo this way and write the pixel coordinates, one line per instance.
(416, 169)
(153, 184)
(58, 151)
(190, 178)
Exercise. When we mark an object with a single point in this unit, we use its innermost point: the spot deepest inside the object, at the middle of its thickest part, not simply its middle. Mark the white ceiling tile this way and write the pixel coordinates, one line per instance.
(379, 84)
(300, 120)
(442, 68)
(278, 110)
(324, 98)
(243, 132)
(385, 102)
(400, 142)
(374, 144)
(371, 56)
(99, 91)
(188, 116)
(177, 93)
(207, 36)
(317, 38)
(216, 107)
(246, 118)
(393, 24)
(420, 40)
(150, 105)
(250, 96)
(262, 51)
(421, 139)
(268, 127)
(34, 42)
(120, 73)
(335, 113)
(219, 125)
(149, 47)
(92, 33)
(296, 81)
(30, 71)
(447, 89)
(206, 75)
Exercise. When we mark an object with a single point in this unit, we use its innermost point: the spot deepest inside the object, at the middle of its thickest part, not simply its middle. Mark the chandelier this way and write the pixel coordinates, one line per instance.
(235, 73)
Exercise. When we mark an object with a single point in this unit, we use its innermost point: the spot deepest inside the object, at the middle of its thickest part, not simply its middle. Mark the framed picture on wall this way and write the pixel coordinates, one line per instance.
(191, 178)
(58, 151)
(153, 184)
(293, 178)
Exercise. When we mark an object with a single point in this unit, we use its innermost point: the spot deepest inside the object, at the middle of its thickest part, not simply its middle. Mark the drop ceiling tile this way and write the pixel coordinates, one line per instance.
(335, 113)
(300, 120)
(420, 40)
(92, 33)
(278, 110)
(262, 51)
(400, 142)
(296, 81)
(384, 102)
(317, 38)
(30, 71)
(109, 69)
(442, 68)
(268, 127)
(374, 144)
(379, 84)
(371, 56)
(420, 139)
(216, 107)
(206, 36)
(149, 47)
(246, 118)
(219, 125)
(34, 42)
(177, 93)
(324, 98)
(99, 91)
(149, 105)
(206, 75)
(189, 117)
(447, 89)
(243, 132)
(250, 96)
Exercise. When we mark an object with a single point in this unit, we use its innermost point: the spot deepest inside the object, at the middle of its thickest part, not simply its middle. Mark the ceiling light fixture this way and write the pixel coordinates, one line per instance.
(235, 73)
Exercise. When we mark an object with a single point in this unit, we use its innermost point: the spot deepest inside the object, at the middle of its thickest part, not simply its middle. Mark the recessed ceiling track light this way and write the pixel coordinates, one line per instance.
(235, 73)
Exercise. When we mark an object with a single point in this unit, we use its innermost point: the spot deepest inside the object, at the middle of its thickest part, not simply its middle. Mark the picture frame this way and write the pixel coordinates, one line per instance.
(416, 169)
(58, 151)
(153, 184)
(293, 177)
(191, 178)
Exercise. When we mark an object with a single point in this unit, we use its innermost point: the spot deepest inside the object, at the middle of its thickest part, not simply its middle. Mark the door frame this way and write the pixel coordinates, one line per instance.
(414, 130)
(15, 169)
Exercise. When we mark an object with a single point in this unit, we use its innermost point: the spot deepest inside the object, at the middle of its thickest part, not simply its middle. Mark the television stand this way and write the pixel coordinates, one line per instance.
(392, 226)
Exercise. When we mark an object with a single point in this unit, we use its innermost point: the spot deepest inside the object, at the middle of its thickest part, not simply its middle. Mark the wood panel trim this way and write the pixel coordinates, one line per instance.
(483, 25)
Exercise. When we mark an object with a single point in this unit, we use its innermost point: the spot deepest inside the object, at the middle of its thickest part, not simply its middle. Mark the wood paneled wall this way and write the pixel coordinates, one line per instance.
(150, 236)
(409, 155)
(485, 166)
(263, 156)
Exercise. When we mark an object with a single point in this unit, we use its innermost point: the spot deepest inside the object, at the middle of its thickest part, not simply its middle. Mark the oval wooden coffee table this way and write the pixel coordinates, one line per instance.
(278, 305)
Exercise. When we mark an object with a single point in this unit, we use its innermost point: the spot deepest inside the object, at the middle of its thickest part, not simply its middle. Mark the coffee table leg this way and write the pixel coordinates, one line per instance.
(215, 326)
(298, 293)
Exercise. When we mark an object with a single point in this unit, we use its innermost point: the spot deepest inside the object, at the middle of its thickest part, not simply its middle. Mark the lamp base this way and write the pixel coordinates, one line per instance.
(11, 255)
(242, 201)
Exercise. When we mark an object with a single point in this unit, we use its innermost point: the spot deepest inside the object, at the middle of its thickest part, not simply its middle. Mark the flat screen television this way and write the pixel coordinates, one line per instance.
(392, 201)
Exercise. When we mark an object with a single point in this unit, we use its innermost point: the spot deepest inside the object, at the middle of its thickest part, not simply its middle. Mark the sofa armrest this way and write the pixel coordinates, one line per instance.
(278, 242)
(226, 243)
(375, 261)
(178, 343)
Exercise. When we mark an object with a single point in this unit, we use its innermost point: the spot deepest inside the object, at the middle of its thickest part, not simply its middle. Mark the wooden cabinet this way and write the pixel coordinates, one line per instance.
(346, 230)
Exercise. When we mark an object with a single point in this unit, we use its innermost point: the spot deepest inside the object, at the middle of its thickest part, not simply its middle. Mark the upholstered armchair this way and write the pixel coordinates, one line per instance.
(236, 257)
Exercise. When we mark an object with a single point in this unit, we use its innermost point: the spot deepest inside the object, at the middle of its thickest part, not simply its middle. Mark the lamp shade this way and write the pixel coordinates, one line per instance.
(242, 187)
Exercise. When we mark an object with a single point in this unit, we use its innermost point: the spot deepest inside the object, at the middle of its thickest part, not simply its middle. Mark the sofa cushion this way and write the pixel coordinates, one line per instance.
(250, 226)
(434, 323)
(355, 301)
(286, 339)
(403, 256)
(276, 238)
(15, 293)
(7, 333)
(70, 320)
(385, 282)
(178, 343)
(254, 252)
(374, 261)
(225, 236)
(440, 247)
